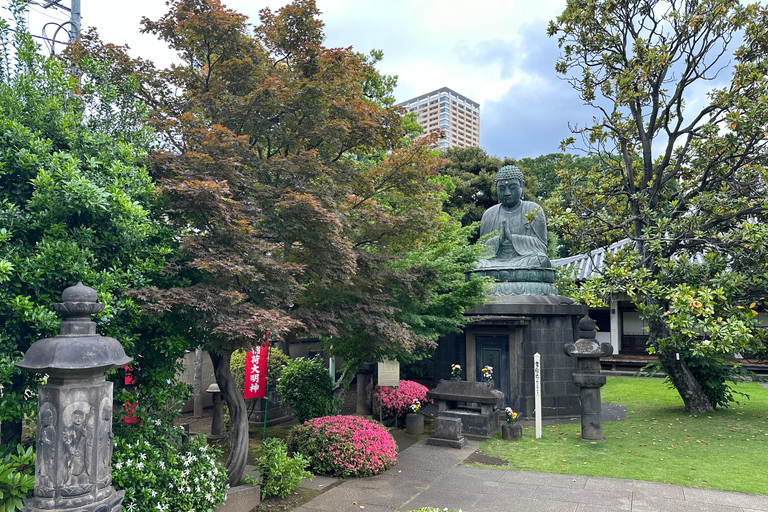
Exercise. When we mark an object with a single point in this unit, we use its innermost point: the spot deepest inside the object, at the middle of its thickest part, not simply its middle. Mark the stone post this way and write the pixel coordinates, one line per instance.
(74, 411)
(587, 377)
(217, 419)
(364, 385)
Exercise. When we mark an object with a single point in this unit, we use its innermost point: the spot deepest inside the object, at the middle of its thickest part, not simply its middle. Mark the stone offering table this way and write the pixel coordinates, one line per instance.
(476, 404)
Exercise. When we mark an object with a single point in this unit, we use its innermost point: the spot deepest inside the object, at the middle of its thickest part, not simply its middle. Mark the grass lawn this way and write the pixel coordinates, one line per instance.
(659, 441)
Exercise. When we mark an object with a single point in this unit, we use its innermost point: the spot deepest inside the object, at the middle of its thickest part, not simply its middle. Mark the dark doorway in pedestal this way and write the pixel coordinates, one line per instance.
(493, 351)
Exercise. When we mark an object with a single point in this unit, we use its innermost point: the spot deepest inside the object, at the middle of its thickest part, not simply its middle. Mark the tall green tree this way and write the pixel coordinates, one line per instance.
(75, 203)
(683, 177)
(295, 188)
(472, 172)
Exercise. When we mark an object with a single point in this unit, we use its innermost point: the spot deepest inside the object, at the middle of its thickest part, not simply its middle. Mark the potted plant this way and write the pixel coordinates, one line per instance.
(455, 372)
(414, 422)
(510, 430)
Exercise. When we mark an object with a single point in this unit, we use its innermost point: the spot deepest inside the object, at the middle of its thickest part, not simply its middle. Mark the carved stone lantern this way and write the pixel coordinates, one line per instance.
(217, 420)
(74, 418)
(588, 352)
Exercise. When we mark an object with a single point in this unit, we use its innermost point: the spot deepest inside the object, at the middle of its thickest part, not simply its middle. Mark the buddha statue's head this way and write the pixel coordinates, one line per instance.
(509, 186)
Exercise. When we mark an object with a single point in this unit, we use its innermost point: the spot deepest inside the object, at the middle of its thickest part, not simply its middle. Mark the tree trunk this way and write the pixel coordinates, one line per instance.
(696, 401)
(198, 384)
(694, 398)
(238, 417)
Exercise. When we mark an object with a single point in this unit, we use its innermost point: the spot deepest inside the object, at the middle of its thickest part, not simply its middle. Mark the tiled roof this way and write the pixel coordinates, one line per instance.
(591, 262)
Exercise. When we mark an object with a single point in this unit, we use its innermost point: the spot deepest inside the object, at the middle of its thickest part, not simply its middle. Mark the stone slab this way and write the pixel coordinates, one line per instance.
(451, 443)
(318, 482)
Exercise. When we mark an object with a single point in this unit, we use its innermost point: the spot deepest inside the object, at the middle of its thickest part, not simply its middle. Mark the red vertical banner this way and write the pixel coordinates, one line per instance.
(256, 373)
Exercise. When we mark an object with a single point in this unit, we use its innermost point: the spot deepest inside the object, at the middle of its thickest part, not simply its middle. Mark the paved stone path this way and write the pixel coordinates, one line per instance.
(430, 476)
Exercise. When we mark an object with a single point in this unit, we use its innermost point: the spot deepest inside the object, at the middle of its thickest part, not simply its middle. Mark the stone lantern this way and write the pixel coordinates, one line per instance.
(587, 377)
(74, 418)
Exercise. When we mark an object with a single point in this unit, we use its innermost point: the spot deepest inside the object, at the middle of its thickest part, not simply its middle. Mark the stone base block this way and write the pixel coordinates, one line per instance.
(509, 432)
(242, 498)
(451, 443)
(477, 426)
(112, 503)
(447, 428)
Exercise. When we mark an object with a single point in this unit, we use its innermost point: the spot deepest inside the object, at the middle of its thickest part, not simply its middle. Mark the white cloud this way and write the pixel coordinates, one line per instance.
(480, 49)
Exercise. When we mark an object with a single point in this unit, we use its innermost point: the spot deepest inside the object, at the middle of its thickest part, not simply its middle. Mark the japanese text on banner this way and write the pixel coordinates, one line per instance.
(256, 373)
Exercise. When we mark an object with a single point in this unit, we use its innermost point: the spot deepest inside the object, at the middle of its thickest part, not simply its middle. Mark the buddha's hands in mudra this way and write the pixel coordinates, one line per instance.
(506, 234)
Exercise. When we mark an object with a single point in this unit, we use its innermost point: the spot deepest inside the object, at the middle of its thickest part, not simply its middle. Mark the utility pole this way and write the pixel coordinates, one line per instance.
(74, 19)
(74, 23)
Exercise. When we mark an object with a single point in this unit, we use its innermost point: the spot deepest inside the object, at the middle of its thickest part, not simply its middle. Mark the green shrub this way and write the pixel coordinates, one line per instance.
(280, 474)
(17, 476)
(160, 471)
(277, 361)
(308, 388)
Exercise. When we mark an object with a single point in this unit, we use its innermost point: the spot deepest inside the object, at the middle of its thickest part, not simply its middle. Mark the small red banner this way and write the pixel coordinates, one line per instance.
(256, 373)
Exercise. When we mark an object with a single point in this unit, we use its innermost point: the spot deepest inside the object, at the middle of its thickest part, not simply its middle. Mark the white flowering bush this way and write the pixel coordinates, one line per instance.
(160, 473)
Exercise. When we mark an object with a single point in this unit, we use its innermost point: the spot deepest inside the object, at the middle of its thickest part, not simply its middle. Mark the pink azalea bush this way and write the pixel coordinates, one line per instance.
(397, 401)
(344, 446)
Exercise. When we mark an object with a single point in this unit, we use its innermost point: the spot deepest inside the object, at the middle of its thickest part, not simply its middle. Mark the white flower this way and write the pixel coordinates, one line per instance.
(198, 490)
(209, 497)
(161, 464)
(128, 463)
(119, 465)
(131, 506)
(152, 493)
(143, 456)
(139, 465)
(158, 422)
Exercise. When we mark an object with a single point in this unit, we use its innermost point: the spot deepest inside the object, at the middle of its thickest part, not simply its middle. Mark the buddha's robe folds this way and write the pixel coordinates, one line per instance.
(518, 243)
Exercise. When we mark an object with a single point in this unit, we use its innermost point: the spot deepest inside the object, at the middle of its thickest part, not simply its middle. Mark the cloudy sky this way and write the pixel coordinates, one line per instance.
(495, 52)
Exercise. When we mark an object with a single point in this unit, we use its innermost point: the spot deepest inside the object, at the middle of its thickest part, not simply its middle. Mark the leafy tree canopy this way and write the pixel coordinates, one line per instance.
(75, 203)
(683, 177)
(296, 189)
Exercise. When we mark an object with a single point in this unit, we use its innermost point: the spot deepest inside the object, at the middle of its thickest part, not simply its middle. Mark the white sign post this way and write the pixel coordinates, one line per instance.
(389, 373)
(537, 380)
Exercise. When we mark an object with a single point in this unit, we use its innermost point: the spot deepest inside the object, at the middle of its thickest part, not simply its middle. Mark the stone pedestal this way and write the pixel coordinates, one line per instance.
(474, 403)
(74, 425)
(588, 352)
(528, 324)
(511, 431)
(447, 433)
(414, 424)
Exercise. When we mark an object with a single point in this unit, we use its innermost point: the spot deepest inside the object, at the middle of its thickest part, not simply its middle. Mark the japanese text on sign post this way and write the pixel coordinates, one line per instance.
(256, 373)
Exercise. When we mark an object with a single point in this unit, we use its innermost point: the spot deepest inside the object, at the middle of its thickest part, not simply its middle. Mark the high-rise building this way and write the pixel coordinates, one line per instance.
(447, 110)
